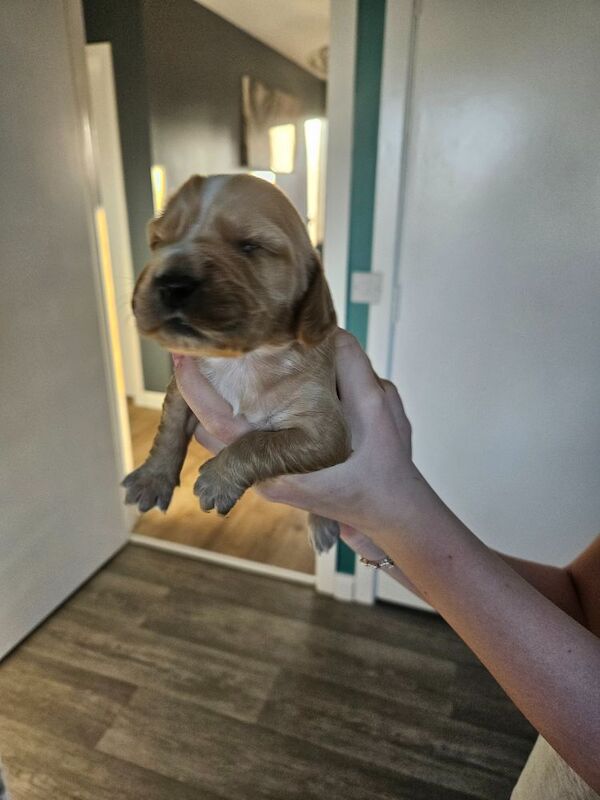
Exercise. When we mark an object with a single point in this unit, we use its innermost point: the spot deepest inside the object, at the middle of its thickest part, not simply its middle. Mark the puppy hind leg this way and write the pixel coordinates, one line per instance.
(322, 533)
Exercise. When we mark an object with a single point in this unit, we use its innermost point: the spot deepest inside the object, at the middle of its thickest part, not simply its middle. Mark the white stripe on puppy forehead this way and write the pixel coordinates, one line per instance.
(211, 187)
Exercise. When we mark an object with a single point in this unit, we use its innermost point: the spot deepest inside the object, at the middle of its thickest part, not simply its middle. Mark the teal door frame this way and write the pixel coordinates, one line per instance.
(367, 87)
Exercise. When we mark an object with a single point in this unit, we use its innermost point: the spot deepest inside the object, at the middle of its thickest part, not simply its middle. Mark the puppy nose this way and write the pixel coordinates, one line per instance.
(175, 288)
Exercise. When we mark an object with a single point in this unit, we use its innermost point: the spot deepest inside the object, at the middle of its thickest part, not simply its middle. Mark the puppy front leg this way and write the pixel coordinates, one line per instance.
(257, 456)
(153, 483)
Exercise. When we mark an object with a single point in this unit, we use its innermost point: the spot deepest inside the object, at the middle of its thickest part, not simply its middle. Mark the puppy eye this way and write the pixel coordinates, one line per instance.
(247, 246)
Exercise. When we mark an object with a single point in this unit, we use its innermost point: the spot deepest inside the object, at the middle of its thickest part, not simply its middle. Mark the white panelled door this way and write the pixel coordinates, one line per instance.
(497, 347)
(61, 508)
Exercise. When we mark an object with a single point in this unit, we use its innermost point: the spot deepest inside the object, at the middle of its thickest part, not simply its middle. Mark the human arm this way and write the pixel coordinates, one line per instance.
(545, 660)
(555, 583)
(558, 584)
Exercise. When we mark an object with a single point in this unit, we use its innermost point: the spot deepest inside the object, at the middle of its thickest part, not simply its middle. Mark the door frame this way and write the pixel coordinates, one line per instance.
(401, 20)
(392, 149)
(340, 92)
(338, 178)
(105, 297)
(108, 154)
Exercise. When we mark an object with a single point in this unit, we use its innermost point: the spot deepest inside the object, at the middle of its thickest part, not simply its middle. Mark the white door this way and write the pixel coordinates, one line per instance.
(61, 512)
(497, 347)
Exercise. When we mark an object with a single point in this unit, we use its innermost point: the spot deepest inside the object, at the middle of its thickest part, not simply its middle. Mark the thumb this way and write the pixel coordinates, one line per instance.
(213, 412)
(361, 543)
(355, 376)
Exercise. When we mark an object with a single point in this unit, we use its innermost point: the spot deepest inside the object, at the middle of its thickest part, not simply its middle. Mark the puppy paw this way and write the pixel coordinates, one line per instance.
(146, 488)
(214, 490)
(322, 533)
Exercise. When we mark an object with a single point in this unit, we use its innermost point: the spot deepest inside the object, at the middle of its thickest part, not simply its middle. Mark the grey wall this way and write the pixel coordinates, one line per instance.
(120, 23)
(195, 61)
(178, 71)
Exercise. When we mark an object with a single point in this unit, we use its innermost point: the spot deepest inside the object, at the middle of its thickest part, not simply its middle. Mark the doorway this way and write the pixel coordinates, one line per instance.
(256, 534)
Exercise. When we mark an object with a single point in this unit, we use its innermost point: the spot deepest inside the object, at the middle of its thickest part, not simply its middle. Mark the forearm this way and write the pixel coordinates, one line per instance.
(397, 574)
(555, 583)
(545, 660)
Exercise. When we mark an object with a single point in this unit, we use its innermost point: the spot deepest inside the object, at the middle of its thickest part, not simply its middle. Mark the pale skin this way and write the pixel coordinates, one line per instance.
(535, 627)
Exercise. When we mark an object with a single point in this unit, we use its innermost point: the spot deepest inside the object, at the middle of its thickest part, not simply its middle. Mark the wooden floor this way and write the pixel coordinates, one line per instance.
(255, 529)
(170, 679)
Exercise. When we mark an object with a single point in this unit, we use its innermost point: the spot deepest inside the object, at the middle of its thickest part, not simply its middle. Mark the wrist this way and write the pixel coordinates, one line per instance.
(418, 518)
(405, 506)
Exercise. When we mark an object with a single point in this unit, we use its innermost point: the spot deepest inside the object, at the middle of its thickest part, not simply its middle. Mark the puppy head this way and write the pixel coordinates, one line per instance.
(232, 269)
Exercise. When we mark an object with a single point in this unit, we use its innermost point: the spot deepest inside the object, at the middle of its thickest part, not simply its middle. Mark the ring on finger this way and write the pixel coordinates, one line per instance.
(381, 563)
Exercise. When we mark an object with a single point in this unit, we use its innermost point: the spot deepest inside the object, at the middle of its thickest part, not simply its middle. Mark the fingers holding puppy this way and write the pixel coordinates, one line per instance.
(218, 426)
(209, 442)
(362, 392)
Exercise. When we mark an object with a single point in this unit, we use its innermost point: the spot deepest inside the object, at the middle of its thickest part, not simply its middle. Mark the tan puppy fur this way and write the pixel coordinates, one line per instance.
(235, 283)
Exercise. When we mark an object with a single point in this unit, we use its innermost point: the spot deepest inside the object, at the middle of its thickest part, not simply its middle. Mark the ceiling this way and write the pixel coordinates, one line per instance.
(298, 29)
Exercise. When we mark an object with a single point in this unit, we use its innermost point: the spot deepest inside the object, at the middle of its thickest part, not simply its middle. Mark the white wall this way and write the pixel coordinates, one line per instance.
(497, 352)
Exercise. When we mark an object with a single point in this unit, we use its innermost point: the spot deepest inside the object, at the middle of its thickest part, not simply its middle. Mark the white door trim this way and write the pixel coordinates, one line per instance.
(340, 117)
(394, 112)
(99, 92)
(106, 301)
(107, 147)
(389, 184)
(149, 399)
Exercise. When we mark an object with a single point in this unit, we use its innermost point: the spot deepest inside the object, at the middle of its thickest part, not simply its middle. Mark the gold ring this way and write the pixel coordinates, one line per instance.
(382, 563)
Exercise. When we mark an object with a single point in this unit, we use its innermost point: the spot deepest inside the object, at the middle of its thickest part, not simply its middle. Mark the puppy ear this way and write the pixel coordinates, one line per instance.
(180, 211)
(315, 315)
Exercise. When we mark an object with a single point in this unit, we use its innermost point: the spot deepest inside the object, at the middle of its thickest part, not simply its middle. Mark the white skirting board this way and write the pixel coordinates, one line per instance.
(224, 560)
(149, 399)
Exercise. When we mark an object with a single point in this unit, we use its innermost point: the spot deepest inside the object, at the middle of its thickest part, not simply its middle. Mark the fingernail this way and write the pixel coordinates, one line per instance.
(177, 359)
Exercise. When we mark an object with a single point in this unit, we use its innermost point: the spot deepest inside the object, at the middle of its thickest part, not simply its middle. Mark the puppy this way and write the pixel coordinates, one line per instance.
(235, 283)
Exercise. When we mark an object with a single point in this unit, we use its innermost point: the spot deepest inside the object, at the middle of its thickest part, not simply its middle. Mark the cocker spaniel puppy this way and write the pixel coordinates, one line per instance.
(235, 283)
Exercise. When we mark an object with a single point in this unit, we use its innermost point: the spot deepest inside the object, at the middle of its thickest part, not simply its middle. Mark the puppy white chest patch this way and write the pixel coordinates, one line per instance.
(238, 381)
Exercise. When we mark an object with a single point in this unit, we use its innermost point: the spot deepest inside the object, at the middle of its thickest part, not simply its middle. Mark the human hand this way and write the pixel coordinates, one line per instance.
(373, 489)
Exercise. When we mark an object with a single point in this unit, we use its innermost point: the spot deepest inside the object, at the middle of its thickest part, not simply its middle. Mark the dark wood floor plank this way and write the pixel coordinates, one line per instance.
(125, 597)
(42, 766)
(246, 762)
(382, 732)
(413, 678)
(225, 682)
(196, 681)
(27, 662)
(36, 692)
(420, 631)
